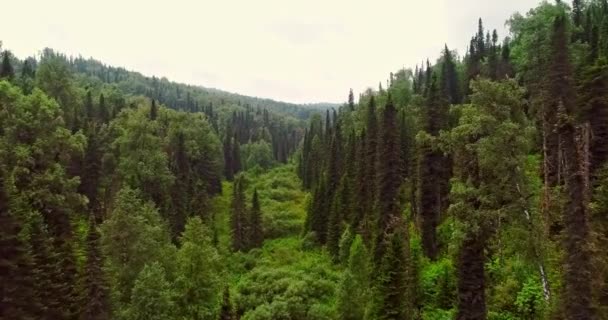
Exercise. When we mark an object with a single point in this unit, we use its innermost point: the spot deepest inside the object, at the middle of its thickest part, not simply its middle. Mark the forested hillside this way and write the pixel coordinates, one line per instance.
(471, 187)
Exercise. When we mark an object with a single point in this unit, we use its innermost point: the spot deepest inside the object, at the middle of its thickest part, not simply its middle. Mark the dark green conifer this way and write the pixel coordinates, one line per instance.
(96, 295)
(577, 273)
(17, 295)
(6, 69)
(238, 216)
(256, 231)
(153, 110)
(389, 178)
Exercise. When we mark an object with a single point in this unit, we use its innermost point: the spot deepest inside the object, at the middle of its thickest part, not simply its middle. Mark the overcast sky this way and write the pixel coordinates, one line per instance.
(296, 51)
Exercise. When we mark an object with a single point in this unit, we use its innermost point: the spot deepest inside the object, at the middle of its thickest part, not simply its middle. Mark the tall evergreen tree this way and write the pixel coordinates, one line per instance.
(577, 273)
(354, 292)
(389, 178)
(153, 110)
(6, 69)
(256, 231)
(431, 170)
(392, 300)
(238, 216)
(228, 156)
(351, 101)
(96, 294)
(17, 296)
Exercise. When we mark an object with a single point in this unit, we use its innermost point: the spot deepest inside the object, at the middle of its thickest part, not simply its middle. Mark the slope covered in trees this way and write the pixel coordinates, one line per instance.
(473, 187)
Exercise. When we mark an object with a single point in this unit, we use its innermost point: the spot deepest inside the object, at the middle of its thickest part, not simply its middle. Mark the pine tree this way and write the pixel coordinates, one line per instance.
(256, 232)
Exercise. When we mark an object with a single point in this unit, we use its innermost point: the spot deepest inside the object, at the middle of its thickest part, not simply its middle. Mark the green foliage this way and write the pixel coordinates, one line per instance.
(287, 283)
(257, 154)
(152, 297)
(199, 272)
(354, 291)
(132, 237)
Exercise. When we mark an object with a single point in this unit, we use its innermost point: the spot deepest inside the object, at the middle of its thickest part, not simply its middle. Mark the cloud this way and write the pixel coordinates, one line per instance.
(296, 51)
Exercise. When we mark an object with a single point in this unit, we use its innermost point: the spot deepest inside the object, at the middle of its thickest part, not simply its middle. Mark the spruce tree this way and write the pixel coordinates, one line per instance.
(96, 295)
(256, 231)
(430, 170)
(238, 217)
(351, 101)
(104, 113)
(389, 177)
(371, 159)
(153, 110)
(392, 299)
(449, 78)
(17, 295)
(236, 156)
(228, 157)
(6, 69)
(577, 273)
(354, 294)
(88, 107)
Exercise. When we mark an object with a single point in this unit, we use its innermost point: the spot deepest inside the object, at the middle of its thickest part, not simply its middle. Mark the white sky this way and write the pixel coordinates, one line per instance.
(296, 51)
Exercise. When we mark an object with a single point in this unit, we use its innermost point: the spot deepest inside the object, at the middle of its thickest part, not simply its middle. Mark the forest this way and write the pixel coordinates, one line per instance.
(470, 187)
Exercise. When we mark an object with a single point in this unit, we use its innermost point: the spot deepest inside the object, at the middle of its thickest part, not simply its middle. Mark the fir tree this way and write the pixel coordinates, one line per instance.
(354, 289)
(153, 110)
(393, 301)
(449, 78)
(256, 232)
(351, 101)
(6, 69)
(430, 171)
(389, 177)
(17, 299)
(104, 114)
(228, 160)
(238, 221)
(236, 156)
(577, 273)
(96, 295)
(88, 107)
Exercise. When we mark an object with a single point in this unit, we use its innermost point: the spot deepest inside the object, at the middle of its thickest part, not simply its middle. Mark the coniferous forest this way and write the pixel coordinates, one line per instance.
(470, 187)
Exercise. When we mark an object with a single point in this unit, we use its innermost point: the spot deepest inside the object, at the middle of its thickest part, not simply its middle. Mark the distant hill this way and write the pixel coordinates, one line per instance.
(179, 95)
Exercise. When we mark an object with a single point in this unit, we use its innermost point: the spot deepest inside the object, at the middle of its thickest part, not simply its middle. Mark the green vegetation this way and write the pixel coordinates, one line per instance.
(470, 188)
